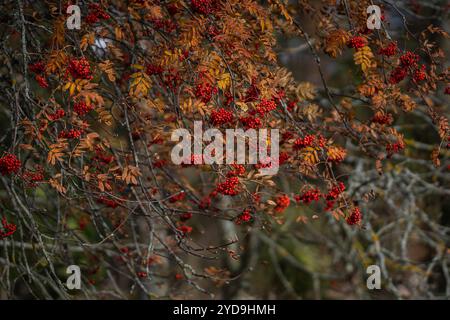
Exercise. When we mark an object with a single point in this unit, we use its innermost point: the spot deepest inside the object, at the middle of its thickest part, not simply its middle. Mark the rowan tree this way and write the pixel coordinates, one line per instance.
(88, 113)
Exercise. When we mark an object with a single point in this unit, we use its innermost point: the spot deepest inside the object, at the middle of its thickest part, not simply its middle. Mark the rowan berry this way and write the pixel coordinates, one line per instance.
(9, 164)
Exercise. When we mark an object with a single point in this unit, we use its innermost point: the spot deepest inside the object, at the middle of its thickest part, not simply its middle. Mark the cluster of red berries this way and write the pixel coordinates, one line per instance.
(96, 13)
(42, 81)
(398, 74)
(390, 50)
(251, 122)
(177, 197)
(357, 42)
(221, 117)
(229, 187)
(419, 74)
(80, 68)
(307, 141)
(204, 91)
(82, 108)
(408, 61)
(238, 170)
(355, 217)
(205, 202)
(70, 134)
(245, 216)
(9, 164)
(335, 191)
(141, 274)
(447, 90)
(58, 114)
(309, 196)
(8, 229)
(264, 107)
(101, 158)
(32, 177)
(39, 69)
(184, 229)
(282, 202)
(382, 118)
(204, 6)
(396, 147)
(333, 194)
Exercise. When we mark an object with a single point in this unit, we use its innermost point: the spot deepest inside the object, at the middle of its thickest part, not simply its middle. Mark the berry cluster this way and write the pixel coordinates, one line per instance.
(204, 6)
(204, 91)
(70, 134)
(221, 116)
(390, 50)
(229, 187)
(177, 197)
(80, 68)
(282, 202)
(96, 13)
(408, 63)
(396, 147)
(264, 107)
(37, 67)
(32, 177)
(355, 217)
(409, 59)
(333, 194)
(8, 229)
(239, 170)
(419, 74)
(357, 42)
(82, 108)
(42, 81)
(184, 229)
(335, 191)
(309, 196)
(245, 216)
(9, 164)
(57, 115)
(251, 122)
(307, 141)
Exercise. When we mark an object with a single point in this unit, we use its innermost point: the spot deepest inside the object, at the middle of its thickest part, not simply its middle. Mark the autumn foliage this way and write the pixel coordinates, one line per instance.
(85, 164)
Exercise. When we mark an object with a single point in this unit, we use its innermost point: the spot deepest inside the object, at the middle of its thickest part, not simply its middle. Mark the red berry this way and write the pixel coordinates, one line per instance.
(282, 202)
(80, 68)
(357, 42)
(355, 217)
(229, 187)
(221, 116)
(390, 50)
(9, 164)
